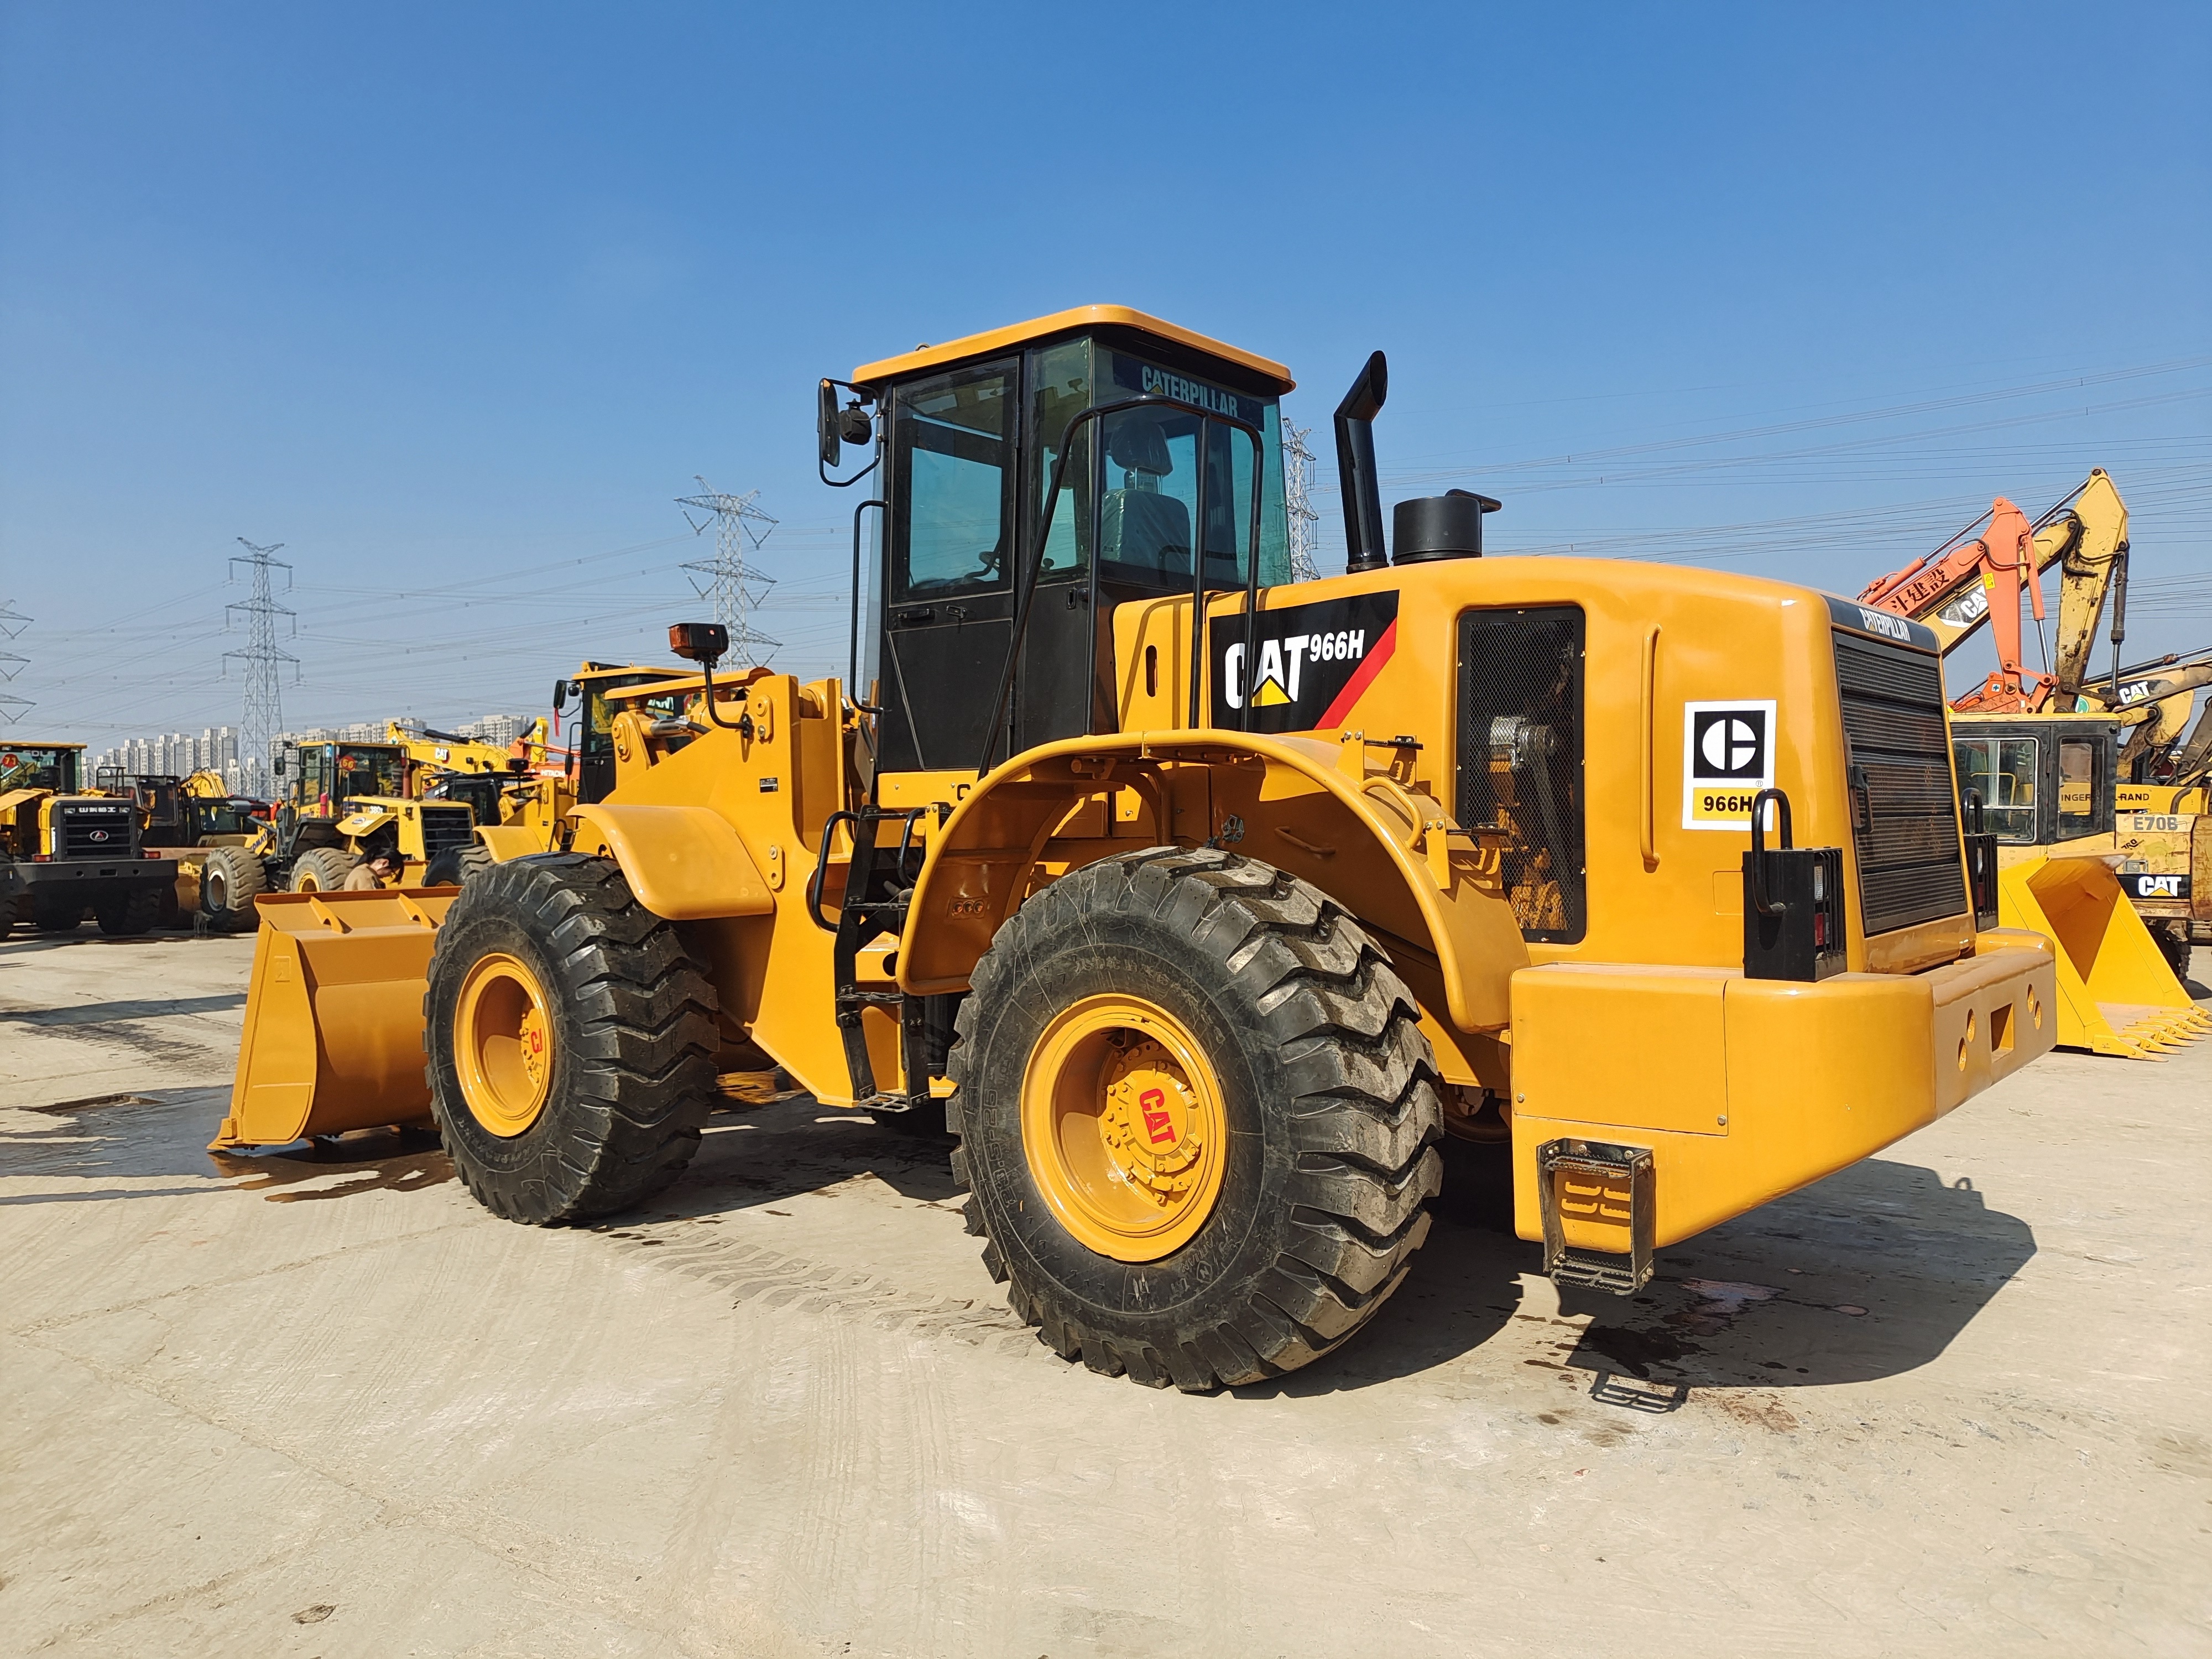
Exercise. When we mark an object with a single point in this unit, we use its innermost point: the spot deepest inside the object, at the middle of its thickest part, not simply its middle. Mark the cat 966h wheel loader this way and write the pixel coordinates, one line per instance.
(1203, 903)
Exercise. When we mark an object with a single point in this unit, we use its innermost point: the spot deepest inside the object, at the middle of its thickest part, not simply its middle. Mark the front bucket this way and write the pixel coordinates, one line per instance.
(2116, 995)
(333, 1037)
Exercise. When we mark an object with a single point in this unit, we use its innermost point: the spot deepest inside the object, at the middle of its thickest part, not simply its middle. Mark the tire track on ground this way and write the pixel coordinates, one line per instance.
(772, 1279)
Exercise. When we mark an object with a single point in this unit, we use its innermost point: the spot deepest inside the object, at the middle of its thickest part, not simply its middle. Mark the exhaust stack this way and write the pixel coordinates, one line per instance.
(1355, 467)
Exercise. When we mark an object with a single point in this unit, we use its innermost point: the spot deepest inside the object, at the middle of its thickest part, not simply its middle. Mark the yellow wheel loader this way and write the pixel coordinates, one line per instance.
(2094, 878)
(343, 802)
(527, 810)
(1203, 903)
(194, 820)
(67, 852)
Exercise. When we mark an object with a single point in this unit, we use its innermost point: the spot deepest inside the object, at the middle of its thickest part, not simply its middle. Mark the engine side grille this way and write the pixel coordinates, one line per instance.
(1905, 813)
(1521, 759)
(445, 827)
(96, 830)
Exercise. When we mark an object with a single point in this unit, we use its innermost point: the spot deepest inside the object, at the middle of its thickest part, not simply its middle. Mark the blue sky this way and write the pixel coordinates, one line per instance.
(453, 301)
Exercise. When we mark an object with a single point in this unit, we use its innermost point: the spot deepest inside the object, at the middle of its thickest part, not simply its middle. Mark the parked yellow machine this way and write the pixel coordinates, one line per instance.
(1202, 903)
(67, 851)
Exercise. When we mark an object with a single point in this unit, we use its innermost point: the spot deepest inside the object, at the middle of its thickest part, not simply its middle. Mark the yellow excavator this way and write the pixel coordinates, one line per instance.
(2040, 761)
(1199, 903)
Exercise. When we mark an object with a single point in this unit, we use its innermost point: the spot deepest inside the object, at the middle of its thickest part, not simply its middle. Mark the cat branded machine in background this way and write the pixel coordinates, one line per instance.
(1200, 903)
(2040, 757)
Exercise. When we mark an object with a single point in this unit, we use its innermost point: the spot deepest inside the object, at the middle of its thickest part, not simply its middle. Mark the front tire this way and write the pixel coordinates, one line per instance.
(1197, 1116)
(324, 870)
(458, 866)
(572, 1041)
(131, 914)
(230, 880)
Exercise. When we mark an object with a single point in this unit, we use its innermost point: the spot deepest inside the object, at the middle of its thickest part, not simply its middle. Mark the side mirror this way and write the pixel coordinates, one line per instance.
(278, 764)
(828, 429)
(560, 696)
(705, 642)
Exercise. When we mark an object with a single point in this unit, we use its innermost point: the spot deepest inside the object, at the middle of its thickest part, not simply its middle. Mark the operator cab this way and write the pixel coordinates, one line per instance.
(2040, 779)
(326, 775)
(592, 754)
(53, 766)
(969, 437)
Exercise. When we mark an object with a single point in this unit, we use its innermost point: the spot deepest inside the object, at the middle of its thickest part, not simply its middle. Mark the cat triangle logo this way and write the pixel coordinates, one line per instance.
(1270, 695)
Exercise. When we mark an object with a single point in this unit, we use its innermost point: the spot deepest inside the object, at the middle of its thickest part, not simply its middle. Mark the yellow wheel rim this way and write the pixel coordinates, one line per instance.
(1124, 1129)
(503, 1044)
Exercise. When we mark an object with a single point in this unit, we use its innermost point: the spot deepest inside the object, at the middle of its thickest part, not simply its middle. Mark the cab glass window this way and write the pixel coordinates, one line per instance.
(953, 446)
(39, 767)
(2002, 771)
(2077, 786)
(369, 772)
(1148, 515)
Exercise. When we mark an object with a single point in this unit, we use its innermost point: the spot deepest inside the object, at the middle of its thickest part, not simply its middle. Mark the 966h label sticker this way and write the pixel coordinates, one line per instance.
(1304, 666)
(1728, 757)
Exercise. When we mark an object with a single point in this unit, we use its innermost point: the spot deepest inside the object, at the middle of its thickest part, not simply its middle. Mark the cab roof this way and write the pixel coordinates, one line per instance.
(1066, 322)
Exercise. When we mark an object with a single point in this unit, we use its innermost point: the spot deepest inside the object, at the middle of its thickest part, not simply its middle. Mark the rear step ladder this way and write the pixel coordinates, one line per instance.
(1598, 1191)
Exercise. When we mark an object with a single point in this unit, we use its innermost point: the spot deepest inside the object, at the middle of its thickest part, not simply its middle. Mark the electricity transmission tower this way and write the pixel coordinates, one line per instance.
(264, 715)
(1297, 506)
(12, 623)
(735, 590)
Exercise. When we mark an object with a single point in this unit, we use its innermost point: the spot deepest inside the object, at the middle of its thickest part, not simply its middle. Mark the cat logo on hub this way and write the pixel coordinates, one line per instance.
(1728, 757)
(1307, 667)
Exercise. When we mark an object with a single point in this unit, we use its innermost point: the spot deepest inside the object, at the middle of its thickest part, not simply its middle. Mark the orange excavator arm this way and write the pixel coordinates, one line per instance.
(1954, 591)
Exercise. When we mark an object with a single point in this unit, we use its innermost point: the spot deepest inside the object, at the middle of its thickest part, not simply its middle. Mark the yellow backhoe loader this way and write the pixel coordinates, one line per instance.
(1200, 901)
(66, 851)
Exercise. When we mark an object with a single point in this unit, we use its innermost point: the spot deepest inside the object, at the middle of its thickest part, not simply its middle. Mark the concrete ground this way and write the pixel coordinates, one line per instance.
(1951, 1402)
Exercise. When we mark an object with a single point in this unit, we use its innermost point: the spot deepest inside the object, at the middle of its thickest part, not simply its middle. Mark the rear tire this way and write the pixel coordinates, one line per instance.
(1324, 1084)
(59, 914)
(324, 870)
(631, 1021)
(130, 914)
(230, 881)
(458, 866)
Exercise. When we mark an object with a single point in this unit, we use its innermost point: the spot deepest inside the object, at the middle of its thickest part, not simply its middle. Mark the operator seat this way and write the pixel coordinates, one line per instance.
(1140, 526)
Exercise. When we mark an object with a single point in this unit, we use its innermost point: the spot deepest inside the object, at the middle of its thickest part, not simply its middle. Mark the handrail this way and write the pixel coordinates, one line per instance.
(1027, 590)
(1646, 831)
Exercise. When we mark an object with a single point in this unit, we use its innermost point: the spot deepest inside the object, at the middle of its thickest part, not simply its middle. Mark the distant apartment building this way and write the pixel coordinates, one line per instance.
(179, 754)
(498, 729)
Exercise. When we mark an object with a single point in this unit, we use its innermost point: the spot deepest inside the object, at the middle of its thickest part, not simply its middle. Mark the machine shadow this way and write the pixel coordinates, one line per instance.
(1871, 1273)
(758, 1155)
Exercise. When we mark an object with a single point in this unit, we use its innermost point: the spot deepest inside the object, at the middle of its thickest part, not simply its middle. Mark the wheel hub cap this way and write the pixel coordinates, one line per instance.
(1124, 1127)
(503, 1046)
(1147, 1121)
